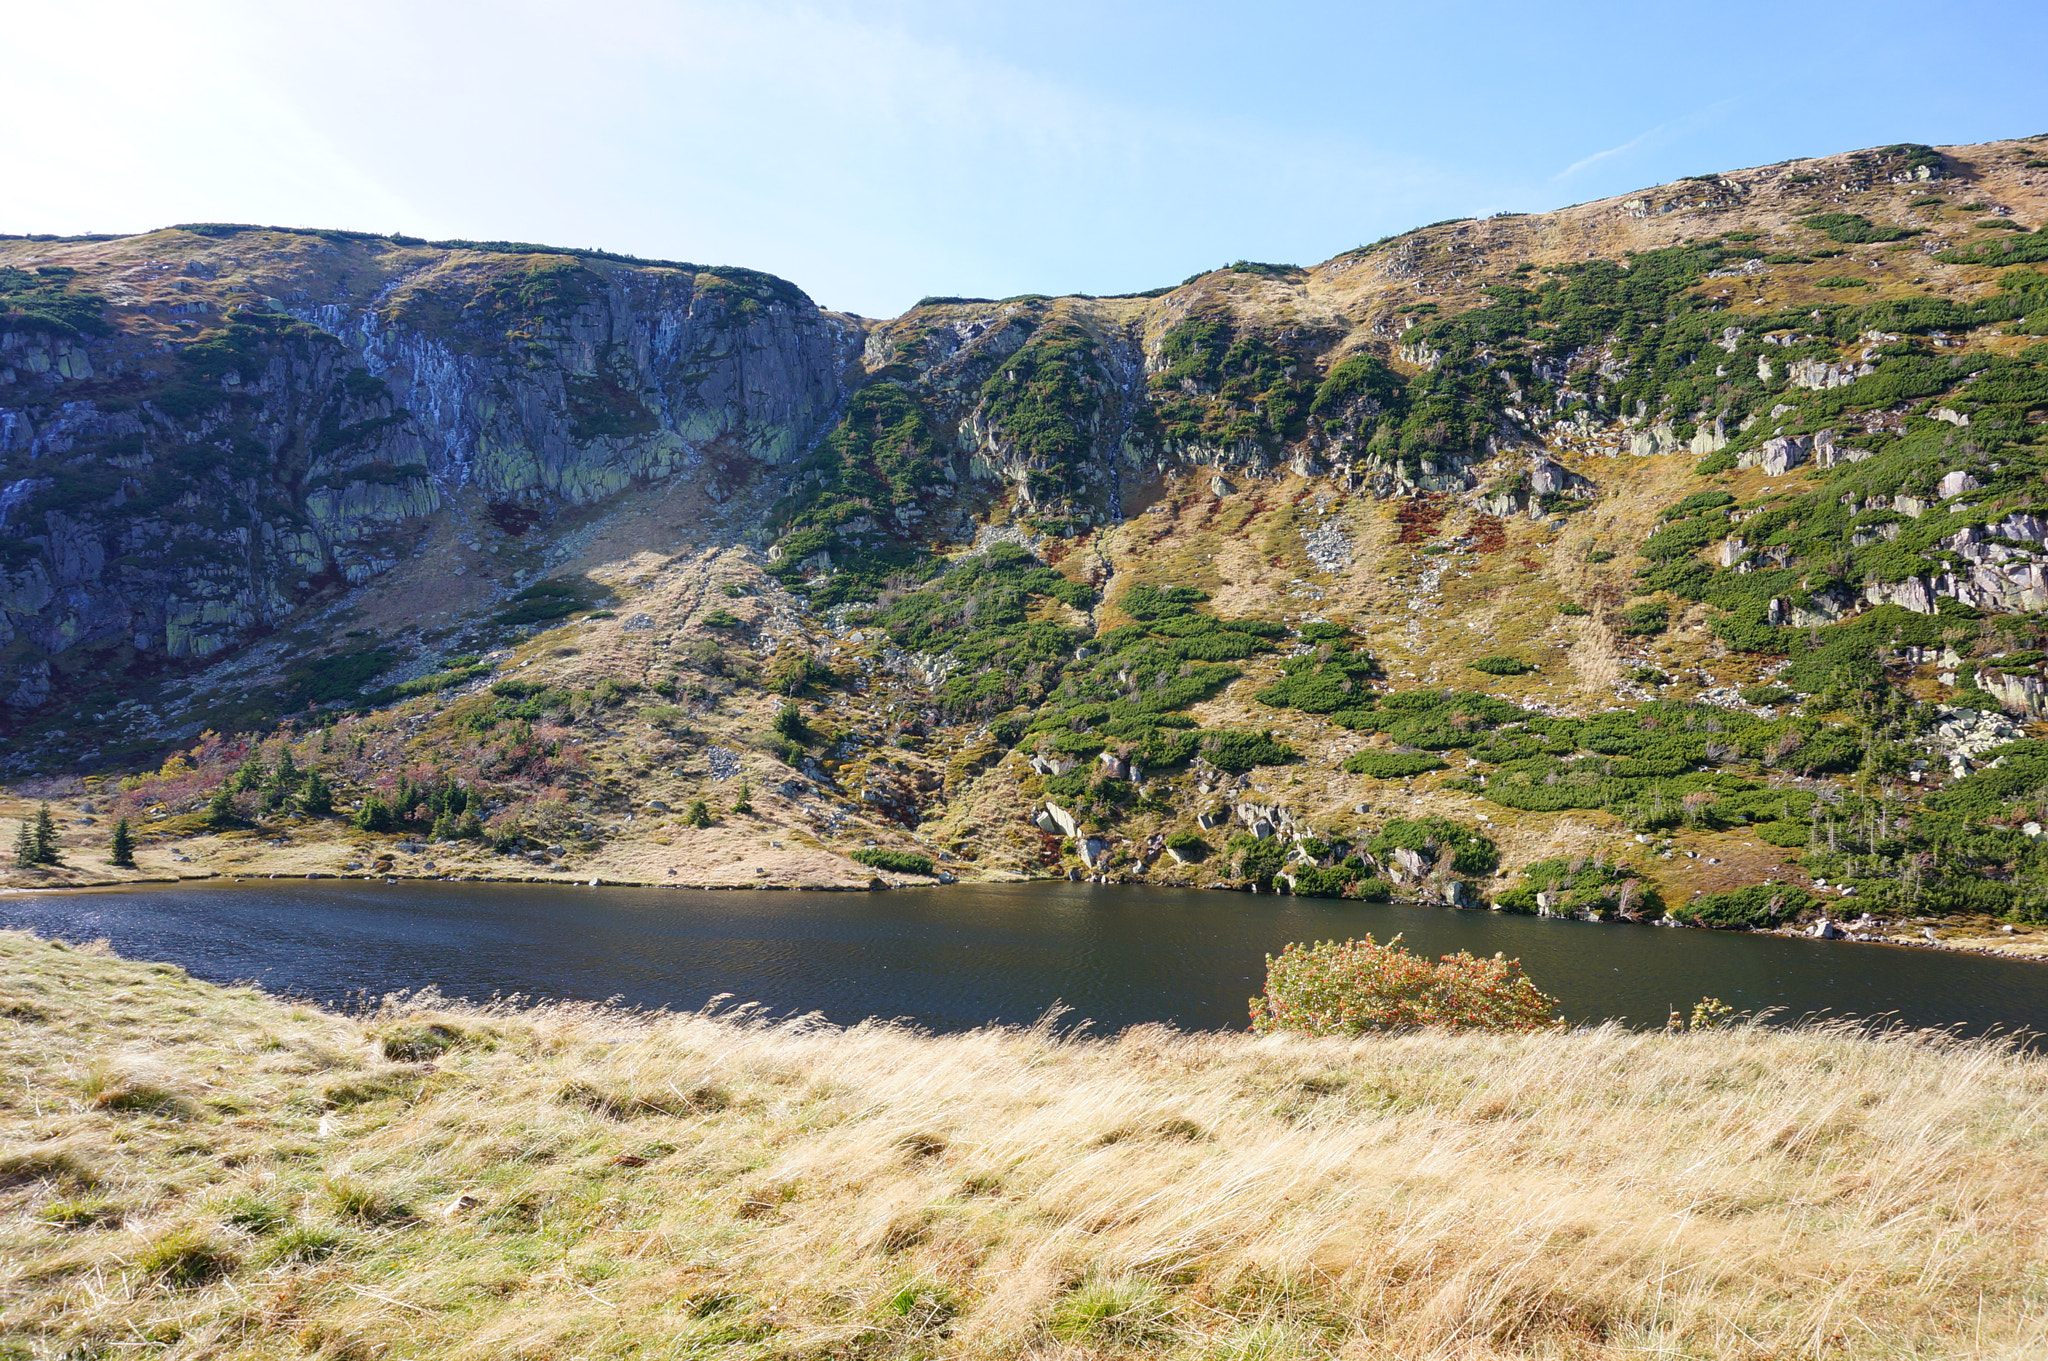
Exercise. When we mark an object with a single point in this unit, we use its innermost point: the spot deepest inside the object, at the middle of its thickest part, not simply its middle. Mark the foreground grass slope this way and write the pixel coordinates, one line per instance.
(195, 1171)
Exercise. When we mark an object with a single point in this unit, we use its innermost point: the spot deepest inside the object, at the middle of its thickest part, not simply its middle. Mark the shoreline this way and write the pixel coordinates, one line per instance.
(1989, 947)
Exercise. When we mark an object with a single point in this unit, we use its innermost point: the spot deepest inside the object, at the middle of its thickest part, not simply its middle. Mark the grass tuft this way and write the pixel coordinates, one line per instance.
(185, 1258)
(1123, 1312)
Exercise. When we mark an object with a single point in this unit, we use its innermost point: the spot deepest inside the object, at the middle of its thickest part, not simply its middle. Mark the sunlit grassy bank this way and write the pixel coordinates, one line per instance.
(194, 1171)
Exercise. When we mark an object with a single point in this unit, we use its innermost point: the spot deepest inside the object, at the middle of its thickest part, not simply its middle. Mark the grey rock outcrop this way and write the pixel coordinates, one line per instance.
(1778, 455)
(277, 458)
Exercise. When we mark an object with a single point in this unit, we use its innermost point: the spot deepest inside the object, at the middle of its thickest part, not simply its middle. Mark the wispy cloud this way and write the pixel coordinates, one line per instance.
(1630, 145)
(1662, 133)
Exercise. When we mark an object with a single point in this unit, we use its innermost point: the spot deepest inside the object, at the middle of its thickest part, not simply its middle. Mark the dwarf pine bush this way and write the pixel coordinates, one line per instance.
(1353, 986)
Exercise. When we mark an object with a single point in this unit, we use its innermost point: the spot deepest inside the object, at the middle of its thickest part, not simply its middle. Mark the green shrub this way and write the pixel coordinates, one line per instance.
(1698, 503)
(789, 722)
(374, 816)
(1469, 851)
(1645, 619)
(547, 600)
(1852, 229)
(896, 862)
(1391, 765)
(1573, 609)
(1231, 749)
(1844, 281)
(1755, 907)
(1502, 666)
(1258, 861)
(439, 680)
(1767, 694)
(1357, 986)
(1189, 845)
(1583, 888)
(721, 619)
(1334, 882)
(793, 671)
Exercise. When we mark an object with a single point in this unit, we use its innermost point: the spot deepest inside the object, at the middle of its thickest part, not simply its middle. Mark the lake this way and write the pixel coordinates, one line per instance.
(955, 957)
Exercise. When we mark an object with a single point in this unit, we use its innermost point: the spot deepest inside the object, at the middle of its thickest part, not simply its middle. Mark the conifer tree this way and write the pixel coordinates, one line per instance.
(318, 799)
(374, 815)
(220, 810)
(121, 851)
(47, 850)
(24, 846)
(699, 815)
(745, 802)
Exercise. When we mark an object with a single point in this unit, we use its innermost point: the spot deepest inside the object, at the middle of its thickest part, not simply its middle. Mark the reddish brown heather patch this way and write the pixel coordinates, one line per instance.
(1489, 534)
(1419, 516)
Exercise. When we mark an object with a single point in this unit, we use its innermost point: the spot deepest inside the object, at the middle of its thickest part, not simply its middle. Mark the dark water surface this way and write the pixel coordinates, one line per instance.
(956, 957)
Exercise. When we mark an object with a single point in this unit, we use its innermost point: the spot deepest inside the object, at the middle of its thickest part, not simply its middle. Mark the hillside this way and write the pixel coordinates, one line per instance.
(195, 1171)
(1680, 552)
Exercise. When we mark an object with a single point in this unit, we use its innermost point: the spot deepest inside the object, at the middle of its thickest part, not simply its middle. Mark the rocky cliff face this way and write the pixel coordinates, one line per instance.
(209, 433)
(203, 433)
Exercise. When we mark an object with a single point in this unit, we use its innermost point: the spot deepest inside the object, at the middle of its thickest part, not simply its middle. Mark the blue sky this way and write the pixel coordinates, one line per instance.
(874, 153)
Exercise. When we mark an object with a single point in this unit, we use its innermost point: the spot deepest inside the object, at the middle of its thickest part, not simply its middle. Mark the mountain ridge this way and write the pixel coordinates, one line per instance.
(307, 469)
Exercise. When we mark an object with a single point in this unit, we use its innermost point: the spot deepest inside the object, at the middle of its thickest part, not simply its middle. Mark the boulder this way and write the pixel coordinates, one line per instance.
(1955, 484)
(1548, 477)
(1714, 438)
(1781, 455)
(1060, 819)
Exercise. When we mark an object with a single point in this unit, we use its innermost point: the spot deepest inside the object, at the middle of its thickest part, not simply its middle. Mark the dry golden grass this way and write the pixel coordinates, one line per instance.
(193, 1171)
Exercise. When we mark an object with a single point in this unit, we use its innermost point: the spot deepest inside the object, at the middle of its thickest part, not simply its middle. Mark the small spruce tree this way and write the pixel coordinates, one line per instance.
(24, 846)
(47, 850)
(699, 815)
(744, 803)
(374, 815)
(318, 800)
(121, 850)
(220, 810)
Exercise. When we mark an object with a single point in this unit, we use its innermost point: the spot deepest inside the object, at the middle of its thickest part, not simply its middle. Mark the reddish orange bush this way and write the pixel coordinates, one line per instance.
(1350, 987)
